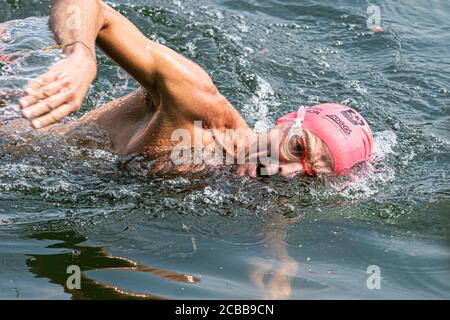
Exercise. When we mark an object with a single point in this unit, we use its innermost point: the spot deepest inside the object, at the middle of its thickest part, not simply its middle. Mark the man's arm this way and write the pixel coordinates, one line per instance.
(180, 86)
(62, 89)
(73, 21)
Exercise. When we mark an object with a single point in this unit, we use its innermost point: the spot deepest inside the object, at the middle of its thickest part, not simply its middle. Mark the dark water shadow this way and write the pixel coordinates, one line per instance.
(91, 258)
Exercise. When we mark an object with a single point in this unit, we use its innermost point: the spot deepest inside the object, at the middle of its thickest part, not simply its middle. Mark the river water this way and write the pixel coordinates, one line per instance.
(218, 236)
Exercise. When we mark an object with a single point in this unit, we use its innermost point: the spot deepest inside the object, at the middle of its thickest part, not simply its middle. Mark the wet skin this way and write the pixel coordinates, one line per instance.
(175, 92)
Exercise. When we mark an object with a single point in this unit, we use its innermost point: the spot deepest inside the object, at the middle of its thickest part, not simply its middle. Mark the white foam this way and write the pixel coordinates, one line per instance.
(260, 104)
(374, 175)
(385, 141)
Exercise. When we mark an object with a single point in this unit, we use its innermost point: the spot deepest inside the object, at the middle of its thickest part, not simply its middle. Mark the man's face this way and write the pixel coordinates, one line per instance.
(272, 145)
(288, 164)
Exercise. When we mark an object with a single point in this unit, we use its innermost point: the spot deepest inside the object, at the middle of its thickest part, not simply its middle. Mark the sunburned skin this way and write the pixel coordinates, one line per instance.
(176, 93)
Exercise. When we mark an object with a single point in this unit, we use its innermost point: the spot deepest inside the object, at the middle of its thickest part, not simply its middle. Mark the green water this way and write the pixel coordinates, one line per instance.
(217, 235)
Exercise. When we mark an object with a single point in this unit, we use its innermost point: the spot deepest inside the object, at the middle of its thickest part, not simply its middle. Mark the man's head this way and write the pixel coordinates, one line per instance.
(328, 138)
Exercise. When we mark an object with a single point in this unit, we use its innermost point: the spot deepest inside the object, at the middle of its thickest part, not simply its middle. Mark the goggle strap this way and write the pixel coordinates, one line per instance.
(303, 159)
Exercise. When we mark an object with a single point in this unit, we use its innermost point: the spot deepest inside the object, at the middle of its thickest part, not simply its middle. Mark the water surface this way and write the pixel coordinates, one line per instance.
(217, 235)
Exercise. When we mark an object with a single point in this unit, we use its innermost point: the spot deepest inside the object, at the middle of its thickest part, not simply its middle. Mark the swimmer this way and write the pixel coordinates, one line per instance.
(325, 139)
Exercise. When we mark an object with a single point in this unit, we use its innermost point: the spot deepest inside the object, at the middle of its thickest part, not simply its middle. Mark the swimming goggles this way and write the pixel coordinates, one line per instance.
(294, 144)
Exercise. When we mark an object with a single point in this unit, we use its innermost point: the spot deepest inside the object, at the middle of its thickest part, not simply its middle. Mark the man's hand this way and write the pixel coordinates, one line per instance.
(61, 90)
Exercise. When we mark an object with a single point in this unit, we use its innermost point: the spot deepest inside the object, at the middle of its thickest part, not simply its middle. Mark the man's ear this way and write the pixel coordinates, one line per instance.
(325, 164)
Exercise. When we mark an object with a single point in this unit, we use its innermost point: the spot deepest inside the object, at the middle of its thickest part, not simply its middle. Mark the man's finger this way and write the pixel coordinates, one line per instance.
(40, 81)
(45, 79)
(35, 84)
(48, 89)
(54, 87)
(53, 116)
(47, 105)
(27, 101)
(38, 94)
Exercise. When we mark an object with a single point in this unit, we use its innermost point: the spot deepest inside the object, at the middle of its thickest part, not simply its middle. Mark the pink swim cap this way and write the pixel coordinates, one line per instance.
(344, 131)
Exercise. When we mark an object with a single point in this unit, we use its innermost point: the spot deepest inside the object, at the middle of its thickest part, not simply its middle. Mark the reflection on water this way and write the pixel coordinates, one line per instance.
(279, 283)
(274, 282)
(293, 258)
(69, 200)
(89, 258)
